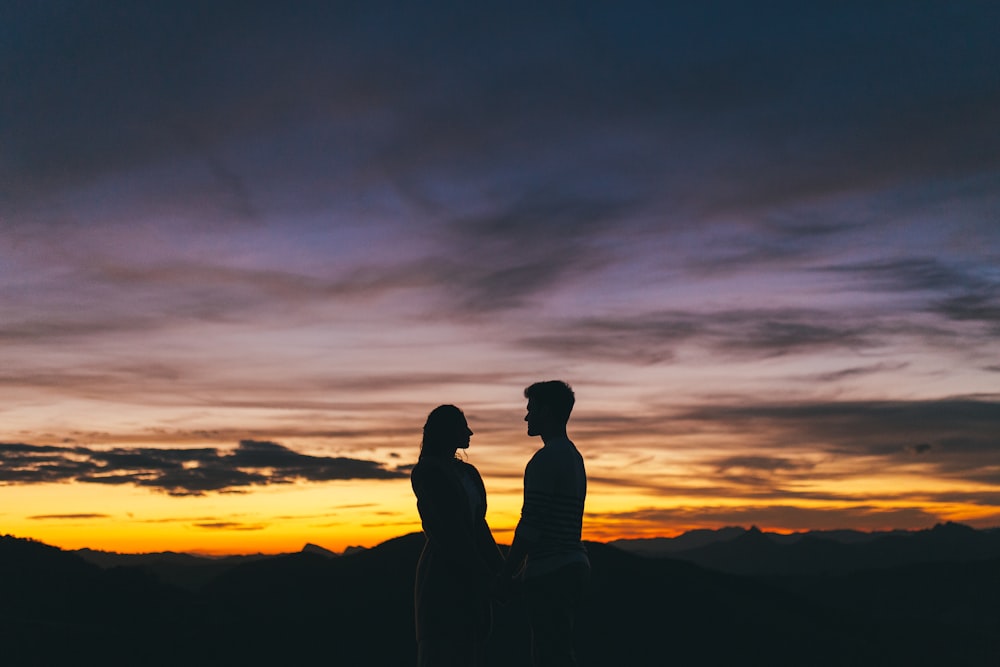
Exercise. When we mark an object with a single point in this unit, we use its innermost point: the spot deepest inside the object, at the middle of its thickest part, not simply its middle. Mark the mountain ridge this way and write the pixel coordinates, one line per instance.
(755, 552)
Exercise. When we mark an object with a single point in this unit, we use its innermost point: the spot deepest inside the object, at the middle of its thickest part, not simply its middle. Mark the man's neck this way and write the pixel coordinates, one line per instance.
(552, 436)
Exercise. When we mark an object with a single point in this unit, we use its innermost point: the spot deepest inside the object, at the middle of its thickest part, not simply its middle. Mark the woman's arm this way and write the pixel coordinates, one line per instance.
(444, 514)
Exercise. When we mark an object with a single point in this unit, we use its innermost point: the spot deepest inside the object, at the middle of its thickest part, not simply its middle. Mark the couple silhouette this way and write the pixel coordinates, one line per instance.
(462, 572)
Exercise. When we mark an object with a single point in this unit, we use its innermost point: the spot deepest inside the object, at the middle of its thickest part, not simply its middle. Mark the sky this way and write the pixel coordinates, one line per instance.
(246, 247)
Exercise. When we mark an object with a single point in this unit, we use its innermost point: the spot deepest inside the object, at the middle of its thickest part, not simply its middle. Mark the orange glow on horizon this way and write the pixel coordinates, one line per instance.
(272, 521)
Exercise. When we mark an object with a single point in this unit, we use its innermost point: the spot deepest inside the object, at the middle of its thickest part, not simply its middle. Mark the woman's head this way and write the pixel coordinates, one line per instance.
(445, 431)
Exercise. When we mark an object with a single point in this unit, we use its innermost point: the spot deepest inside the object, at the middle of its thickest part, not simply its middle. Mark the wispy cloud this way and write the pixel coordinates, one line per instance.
(952, 438)
(230, 525)
(761, 333)
(854, 372)
(860, 425)
(913, 274)
(981, 307)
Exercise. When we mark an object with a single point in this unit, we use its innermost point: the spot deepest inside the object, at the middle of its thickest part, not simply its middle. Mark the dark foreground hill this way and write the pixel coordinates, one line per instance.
(307, 608)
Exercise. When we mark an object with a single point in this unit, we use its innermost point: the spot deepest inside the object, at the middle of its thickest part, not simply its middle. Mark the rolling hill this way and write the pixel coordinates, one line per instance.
(356, 609)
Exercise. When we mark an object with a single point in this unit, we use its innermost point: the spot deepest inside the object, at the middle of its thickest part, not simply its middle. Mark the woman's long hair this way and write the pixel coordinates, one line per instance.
(442, 424)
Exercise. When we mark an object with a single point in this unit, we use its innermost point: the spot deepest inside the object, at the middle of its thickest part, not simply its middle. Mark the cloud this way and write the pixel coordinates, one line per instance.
(806, 452)
(981, 307)
(525, 245)
(966, 291)
(863, 426)
(764, 463)
(61, 328)
(780, 238)
(913, 274)
(230, 525)
(785, 517)
(635, 340)
(181, 472)
(802, 102)
(201, 519)
(527, 171)
(648, 338)
(956, 437)
(49, 517)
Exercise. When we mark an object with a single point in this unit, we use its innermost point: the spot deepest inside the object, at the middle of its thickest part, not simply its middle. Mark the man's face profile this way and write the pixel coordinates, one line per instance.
(534, 418)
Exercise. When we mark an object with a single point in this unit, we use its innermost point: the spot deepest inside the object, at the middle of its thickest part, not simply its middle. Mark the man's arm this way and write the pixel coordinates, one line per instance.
(519, 549)
(528, 532)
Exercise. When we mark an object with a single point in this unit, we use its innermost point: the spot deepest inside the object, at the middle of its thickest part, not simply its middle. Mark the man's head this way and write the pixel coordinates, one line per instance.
(549, 406)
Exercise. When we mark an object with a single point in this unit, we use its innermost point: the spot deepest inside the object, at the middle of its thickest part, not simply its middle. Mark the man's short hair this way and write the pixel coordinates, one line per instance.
(554, 395)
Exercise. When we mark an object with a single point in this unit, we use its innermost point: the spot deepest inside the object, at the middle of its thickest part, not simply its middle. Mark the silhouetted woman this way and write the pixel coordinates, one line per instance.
(460, 559)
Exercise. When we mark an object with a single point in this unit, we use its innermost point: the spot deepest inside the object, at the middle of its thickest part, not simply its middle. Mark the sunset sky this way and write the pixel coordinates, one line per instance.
(246, 247)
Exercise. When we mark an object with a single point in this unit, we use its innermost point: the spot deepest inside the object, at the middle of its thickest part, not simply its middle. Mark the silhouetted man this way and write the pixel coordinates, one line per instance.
(547, 554)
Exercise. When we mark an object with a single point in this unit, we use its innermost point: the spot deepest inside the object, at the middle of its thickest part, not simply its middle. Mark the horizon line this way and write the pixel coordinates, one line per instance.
(354, 548)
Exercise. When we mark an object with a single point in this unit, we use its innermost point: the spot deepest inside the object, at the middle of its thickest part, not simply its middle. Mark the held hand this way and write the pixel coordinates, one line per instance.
(502, 588)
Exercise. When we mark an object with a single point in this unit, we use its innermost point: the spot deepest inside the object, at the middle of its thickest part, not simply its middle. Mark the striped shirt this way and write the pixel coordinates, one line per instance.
(555, 488)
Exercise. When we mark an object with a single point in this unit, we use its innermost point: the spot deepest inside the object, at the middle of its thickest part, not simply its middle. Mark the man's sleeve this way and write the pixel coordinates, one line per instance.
(550, 511)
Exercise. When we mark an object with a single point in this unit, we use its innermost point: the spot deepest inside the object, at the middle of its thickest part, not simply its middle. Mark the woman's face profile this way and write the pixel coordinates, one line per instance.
(463, 434)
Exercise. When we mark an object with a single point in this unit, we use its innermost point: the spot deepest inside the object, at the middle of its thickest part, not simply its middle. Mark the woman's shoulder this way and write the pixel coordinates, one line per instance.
(424, 466)
(466, 467)
(441, 467)
(470, 472)
(433, 466)
(427, 475)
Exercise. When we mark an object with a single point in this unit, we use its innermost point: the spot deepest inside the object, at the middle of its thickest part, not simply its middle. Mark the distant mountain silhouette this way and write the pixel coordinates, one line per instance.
(353, 549)
(178, 569)
(659, 546)
(316, 549)
(356, 609)
(752, 551)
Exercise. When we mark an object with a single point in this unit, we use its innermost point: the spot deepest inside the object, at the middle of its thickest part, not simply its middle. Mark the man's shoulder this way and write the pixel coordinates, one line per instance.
(560, 448)
(555, 455)
(542, 456)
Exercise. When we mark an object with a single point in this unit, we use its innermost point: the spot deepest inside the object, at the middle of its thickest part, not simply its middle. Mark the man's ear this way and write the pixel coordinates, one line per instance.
(544, 413)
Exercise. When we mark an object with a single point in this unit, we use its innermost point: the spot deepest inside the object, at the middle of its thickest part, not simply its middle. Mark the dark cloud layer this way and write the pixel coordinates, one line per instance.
(790, 452)
(916, 274)
(529, 140)
(867, 427)
(436, 87)
(951, 438)
(181, 472)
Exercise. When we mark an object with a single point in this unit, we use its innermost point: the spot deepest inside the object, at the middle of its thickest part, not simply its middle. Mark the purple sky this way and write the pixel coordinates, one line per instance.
(762, 242)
